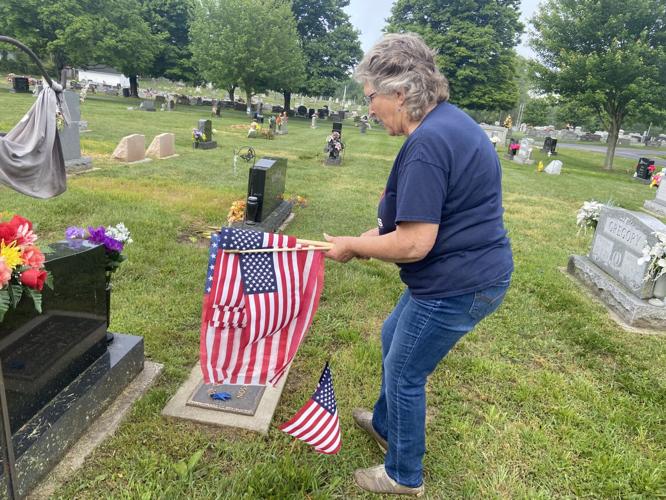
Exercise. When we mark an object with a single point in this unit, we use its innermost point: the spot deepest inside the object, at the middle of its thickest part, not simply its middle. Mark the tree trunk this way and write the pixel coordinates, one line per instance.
(613, 132)
(231, 89)
(287, 100)
(134, 86)
(248, 95)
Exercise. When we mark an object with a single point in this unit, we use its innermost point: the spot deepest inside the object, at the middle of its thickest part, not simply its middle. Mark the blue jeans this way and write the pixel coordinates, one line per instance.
(415, 338)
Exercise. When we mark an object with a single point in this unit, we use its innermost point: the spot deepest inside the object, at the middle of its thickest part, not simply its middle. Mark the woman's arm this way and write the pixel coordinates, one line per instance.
(410, 242)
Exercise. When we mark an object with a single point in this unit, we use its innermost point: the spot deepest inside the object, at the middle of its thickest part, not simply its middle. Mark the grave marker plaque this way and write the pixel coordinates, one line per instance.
(618, 243)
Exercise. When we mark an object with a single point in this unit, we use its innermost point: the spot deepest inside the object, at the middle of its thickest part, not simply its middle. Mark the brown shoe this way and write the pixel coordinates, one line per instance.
(376, 480)
(363, 419)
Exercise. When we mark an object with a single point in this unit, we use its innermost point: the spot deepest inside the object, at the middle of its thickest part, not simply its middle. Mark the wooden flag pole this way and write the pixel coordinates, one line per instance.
(284, 249)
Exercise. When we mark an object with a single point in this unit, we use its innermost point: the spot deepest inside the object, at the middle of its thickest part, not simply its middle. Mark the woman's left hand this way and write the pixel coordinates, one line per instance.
(342, 250)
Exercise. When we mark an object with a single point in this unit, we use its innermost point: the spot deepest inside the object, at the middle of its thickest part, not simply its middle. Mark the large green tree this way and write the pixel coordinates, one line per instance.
(83, 33)
(330, 44)
(608, 55)
(475, 40)
(171, 19)
(248, 43)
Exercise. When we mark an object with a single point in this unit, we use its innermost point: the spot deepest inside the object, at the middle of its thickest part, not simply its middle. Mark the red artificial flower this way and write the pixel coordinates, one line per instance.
(7, 232)
(34, 278)
(32, 256)
(17, 221)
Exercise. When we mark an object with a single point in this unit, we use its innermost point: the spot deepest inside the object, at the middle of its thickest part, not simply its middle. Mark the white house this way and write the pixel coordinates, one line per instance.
(103, 75)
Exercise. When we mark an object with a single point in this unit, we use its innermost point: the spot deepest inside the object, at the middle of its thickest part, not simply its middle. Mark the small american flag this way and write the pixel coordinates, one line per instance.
(317, 423)
(257, 306)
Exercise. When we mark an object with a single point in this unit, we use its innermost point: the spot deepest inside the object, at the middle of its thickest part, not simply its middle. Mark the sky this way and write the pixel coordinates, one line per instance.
(369, 16)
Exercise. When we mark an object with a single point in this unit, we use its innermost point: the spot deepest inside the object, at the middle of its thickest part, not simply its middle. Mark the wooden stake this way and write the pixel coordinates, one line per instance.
(266, 250)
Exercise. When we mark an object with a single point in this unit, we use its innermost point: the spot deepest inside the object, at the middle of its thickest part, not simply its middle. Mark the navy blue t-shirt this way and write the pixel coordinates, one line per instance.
(448, 173)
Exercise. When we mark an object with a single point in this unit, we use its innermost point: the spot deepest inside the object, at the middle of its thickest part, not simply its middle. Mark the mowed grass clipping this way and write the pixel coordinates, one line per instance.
(546, 398)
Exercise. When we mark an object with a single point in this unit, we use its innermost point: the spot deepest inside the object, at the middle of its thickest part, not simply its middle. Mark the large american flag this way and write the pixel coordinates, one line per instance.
(257, 306)
(317, 423)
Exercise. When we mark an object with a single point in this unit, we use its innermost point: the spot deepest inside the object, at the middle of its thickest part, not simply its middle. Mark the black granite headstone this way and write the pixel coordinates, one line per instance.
(302, 111)
(58, 374)
(21, 84)
(643, 168)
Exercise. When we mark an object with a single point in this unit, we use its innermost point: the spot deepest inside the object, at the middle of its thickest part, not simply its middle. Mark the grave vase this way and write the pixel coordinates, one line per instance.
(660, 287)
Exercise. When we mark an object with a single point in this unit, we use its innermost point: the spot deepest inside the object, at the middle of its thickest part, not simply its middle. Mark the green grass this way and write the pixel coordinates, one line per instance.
(546, 398)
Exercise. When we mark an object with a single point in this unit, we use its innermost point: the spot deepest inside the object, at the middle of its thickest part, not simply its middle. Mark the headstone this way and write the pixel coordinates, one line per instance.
(549, 145)
(313, 123)
(159, 100)
(21, 84)
(266, 208)
(363, 126)
(148, 105)
(58, 375)
(499, 132)
(302, 111)
(612, 270)
(126, 92)
(70, 136)
(643, 169)
(618, 243)
(163, 146)
(205, 127)
(524, 155)
(311, 112)
(658, 205)
(130, 148)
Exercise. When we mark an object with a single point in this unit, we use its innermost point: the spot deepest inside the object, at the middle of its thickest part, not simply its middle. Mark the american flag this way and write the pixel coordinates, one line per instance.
(317, 423)
(257, 306)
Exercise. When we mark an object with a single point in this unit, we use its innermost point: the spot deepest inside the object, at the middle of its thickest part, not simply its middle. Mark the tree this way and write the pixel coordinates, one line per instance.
(475, 40)
(608, 55)
(83, 33)
(330, 45)
(539, 111)
(251, 43)
(171, 20)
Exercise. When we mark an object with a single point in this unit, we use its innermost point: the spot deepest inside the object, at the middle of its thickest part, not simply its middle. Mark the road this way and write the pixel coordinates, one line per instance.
(634, 154)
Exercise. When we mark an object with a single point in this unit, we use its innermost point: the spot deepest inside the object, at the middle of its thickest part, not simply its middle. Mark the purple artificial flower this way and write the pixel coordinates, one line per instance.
(74, 232)
(112, 245)
(97, 234)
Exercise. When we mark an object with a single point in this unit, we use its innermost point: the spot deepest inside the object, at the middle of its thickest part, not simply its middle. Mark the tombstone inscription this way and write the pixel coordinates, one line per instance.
(612, 269)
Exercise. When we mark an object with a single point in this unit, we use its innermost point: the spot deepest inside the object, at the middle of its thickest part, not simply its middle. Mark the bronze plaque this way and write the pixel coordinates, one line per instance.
(244, 398)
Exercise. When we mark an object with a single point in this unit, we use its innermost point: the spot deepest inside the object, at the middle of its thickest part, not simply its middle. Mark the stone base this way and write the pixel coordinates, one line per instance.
(335, 162)
(643, 181)
(260, 422)
(631, 310)
(43, 441)
(204, 145)
(79, 165)
(271, 223)
(655, 207)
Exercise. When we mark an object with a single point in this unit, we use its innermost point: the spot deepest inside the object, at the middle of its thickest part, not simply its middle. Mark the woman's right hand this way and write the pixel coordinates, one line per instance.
(371, 232)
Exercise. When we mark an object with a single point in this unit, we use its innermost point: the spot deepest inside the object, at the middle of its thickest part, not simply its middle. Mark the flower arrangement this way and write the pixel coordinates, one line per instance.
(588, 215)
(113, 238)
(656, 177)
(21, 264)
(236, 212)
(198, 135)
(656, 256)
(508, 122)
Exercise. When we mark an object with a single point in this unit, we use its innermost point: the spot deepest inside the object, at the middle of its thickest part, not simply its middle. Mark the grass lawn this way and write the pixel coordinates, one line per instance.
(546, 398)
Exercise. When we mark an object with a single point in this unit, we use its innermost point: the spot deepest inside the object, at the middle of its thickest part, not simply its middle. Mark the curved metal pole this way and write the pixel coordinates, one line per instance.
(31, 54)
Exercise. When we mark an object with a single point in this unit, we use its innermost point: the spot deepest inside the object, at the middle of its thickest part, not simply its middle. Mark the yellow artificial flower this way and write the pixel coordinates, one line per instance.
(12, 254)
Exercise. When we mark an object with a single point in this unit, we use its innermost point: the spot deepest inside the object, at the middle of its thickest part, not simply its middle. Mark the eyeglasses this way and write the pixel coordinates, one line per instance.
(368, 98)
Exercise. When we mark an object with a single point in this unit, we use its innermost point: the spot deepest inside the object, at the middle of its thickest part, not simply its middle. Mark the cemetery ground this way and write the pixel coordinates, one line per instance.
(548, 397)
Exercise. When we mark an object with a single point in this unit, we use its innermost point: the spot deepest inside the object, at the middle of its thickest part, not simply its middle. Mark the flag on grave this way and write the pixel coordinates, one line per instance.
(257, 306)
(317, 423)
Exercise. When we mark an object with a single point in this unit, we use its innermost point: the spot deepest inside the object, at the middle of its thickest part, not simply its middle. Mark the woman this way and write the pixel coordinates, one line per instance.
(440, 221)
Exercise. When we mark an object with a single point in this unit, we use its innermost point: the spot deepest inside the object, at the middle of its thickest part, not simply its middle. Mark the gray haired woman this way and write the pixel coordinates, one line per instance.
(440, 221)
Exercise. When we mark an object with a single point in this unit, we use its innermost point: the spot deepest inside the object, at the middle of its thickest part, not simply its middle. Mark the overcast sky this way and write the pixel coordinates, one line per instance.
(369, 16)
